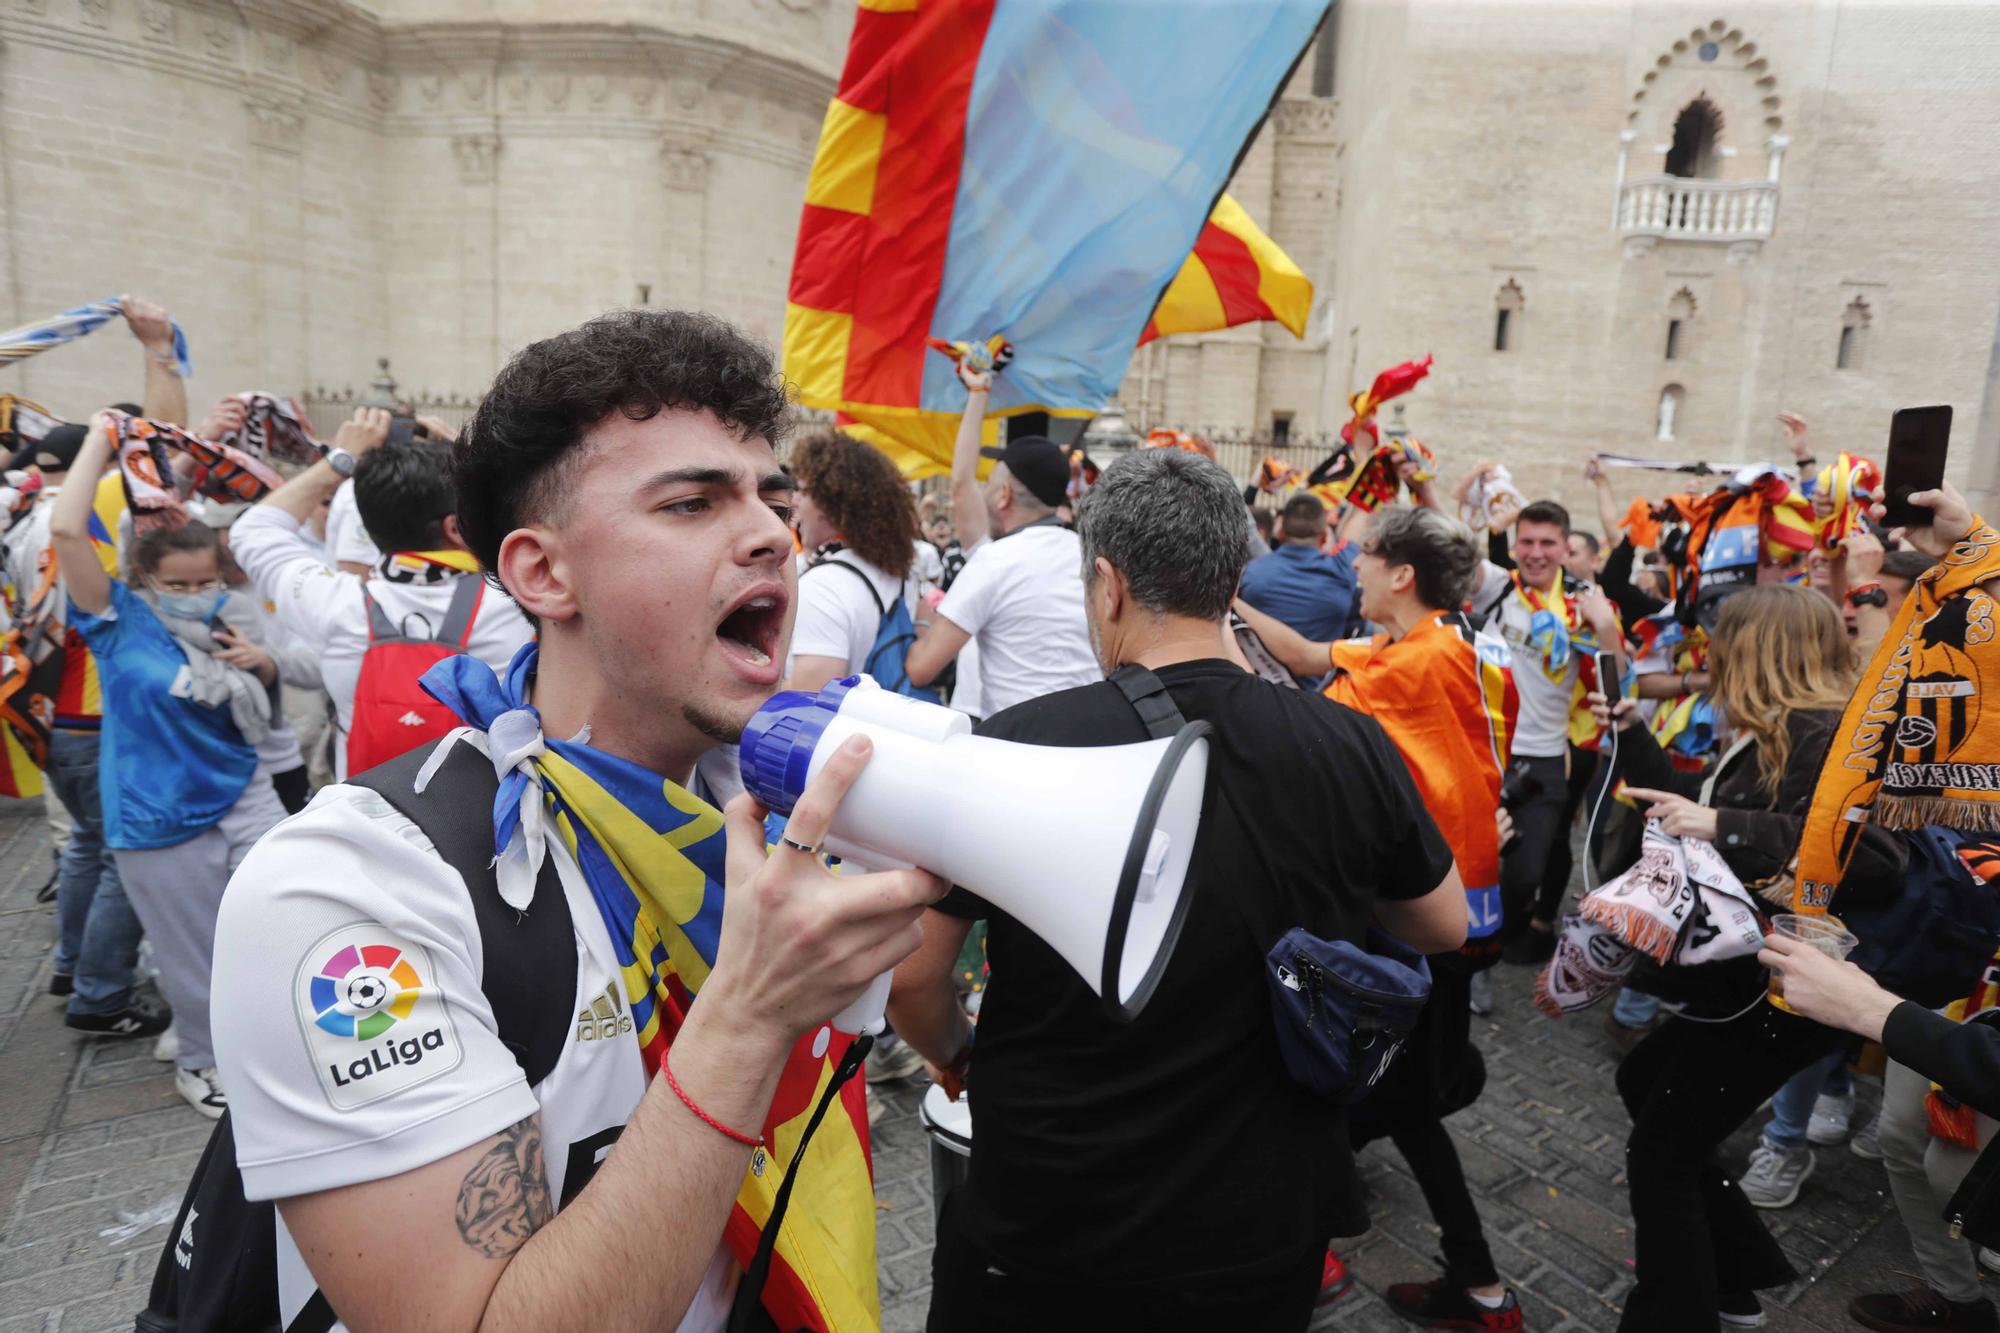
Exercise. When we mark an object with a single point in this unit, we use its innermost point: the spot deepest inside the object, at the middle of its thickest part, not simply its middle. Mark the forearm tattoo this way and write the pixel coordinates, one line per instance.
(505, 1197)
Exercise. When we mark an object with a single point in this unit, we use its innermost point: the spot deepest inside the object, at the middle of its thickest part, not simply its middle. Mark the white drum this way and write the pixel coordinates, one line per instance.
(948, 1125)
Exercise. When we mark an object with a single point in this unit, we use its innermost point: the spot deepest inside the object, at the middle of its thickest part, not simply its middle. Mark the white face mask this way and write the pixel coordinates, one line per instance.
(196, 606)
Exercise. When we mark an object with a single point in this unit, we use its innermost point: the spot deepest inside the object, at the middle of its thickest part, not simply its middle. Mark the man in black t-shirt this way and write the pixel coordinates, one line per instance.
(1169, 1173)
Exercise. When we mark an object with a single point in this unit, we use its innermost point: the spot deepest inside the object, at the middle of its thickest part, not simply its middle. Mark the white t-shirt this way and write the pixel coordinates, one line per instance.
(1541, 728)
(350, 889)
(928, 570)
(324, 607)
(346, 538)
(1021, 597)
(837, 617)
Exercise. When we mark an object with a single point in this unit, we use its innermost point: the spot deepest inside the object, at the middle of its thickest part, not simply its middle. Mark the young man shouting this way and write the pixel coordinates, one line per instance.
(619, 482)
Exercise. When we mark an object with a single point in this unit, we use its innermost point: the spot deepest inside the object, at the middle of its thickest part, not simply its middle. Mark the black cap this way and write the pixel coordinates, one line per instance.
(54, 452)
(1036, 463)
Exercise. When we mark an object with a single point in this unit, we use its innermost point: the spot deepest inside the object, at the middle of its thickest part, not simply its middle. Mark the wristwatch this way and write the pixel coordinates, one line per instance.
(340, 461)
(1868, 594)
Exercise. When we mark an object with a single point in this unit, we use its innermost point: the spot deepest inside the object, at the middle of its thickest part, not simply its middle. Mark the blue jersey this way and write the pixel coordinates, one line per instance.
(169, 767)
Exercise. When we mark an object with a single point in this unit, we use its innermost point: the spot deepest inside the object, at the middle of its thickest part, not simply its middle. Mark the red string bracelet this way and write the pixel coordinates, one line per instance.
(704, 1116)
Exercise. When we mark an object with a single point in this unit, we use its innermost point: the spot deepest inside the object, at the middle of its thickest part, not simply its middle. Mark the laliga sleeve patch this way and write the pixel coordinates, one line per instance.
(374, 1019)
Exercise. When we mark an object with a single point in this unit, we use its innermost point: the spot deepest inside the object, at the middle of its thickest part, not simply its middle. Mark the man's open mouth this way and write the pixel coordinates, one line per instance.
(752, 627)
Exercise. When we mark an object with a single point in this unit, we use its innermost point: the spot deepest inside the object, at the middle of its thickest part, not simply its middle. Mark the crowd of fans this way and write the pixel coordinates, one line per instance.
(1458, 696)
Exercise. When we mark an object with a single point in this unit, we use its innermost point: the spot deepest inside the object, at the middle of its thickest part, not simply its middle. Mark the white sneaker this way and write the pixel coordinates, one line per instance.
(201, 1089)
(1832, 1118)
(1481, 997)
(1867, 1141)
(1774, 1175)
(167, 1046)
(891, 1062)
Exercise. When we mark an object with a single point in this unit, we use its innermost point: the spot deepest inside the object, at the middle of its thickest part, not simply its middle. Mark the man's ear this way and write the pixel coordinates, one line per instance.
(453, 537)
(536, 574)
(1110, 587)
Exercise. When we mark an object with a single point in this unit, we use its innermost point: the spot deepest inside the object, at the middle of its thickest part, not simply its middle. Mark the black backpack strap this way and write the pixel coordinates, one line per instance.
(455, 812)
(881, 611)
(1147, 694)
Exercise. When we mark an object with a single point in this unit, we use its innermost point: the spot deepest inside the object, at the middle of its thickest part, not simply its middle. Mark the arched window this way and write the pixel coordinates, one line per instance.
(1854, 322)
(1697, 134)
(1671, 399)
(1680, 312)
(1507, 307)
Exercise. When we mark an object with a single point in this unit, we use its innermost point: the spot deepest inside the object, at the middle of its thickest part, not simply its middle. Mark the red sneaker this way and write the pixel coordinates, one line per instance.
(1334, 1280)
(1439, 1305)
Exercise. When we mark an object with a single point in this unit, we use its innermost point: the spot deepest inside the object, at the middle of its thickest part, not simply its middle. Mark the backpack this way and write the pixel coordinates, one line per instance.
(392, 714)
(1934, 941)
(219, 1266)
(894, 633)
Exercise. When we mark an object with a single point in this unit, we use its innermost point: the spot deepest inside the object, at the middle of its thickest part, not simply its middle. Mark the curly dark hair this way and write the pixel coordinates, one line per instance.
(862, 495)
(509, 466)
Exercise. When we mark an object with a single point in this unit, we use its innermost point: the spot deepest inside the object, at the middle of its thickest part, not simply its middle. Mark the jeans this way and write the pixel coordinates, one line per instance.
(1634, 1009)
(1541, 850)
(1688, 1086)
(1924, 1172)
(1791, 1109)
(97, 933)
(1432, 1077)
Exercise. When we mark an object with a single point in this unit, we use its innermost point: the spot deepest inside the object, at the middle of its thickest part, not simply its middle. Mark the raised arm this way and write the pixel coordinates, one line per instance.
(89, 587)
(1294, 651)
(1608, 515)
(166, 392)
(968, 507)
(368, 427)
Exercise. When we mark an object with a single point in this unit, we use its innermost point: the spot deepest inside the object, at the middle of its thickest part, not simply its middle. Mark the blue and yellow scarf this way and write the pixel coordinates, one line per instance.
(652, 854)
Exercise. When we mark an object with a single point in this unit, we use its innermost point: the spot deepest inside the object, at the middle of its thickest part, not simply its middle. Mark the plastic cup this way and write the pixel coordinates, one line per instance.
(1825, 933)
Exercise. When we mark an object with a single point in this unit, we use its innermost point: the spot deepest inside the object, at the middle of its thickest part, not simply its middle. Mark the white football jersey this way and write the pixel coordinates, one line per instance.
(355, 1042)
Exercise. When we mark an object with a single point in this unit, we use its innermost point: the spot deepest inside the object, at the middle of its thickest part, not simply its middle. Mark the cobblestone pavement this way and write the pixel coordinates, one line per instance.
(92, 1137)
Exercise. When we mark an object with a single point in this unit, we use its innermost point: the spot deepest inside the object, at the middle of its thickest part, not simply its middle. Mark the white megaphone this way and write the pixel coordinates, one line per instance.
(1087, 847)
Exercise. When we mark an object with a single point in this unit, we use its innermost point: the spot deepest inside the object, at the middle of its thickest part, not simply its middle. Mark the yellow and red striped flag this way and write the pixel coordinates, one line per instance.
(1234, 275)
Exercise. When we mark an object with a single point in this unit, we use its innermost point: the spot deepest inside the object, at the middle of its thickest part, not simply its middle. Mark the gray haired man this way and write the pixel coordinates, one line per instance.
(1167, 1173)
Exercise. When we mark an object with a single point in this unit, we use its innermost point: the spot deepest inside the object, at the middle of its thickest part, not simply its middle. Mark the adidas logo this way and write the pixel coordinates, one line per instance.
(412, 719)
(604, 1017)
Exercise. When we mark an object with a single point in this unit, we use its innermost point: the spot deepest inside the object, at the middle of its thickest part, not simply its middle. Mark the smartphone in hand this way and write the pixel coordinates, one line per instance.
(1918, 440)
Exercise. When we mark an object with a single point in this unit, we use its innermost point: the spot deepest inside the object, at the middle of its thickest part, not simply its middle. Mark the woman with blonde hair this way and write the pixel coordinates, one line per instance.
(1782, 671)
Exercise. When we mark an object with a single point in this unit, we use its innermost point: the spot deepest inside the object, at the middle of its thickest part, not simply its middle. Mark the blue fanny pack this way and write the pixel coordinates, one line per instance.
(1341, 1012)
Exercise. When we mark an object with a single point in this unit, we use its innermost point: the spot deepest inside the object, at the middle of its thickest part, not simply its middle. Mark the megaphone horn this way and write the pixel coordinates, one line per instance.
(1088, 847)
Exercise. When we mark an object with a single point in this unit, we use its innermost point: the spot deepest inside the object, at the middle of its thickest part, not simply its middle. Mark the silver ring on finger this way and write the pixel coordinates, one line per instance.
(798, 846)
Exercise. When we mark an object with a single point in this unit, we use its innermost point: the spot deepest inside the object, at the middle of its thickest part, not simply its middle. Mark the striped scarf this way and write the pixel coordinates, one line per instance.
(153, 494)
(1916, 745)
(1556, 632)
(78, 322)
(652, 854)
(274, 428)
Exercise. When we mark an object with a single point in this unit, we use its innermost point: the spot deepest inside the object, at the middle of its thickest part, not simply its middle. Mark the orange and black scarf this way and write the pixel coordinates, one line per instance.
(1915, 746)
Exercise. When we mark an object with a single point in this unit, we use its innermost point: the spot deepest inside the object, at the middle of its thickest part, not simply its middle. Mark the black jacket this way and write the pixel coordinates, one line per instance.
(1758, 837)
(1963, 1059)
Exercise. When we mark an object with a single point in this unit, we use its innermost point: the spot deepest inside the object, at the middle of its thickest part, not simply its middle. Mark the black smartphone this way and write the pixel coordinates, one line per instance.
(1918, 439)
(402, 429)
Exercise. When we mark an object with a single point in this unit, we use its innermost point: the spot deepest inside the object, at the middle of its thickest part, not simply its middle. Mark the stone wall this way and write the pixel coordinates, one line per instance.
(309, 184)
(1480, 145)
